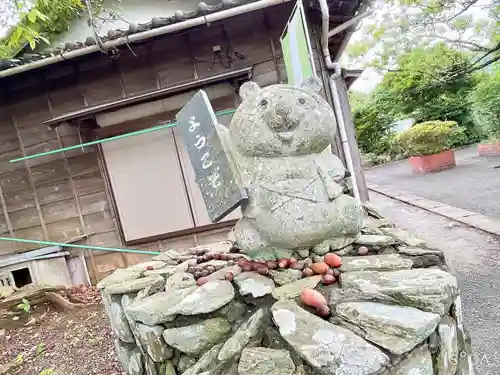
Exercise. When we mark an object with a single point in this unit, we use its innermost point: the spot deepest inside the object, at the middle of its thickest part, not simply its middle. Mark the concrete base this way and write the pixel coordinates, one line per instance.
(433, 163)
(489, 149)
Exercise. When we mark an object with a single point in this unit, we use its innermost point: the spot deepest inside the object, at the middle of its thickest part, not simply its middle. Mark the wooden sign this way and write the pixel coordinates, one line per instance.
(214, 176)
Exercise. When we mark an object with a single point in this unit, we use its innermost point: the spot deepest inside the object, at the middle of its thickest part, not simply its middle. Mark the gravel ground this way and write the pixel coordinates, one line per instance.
(474, 258)
(472, 185)
(77, 342)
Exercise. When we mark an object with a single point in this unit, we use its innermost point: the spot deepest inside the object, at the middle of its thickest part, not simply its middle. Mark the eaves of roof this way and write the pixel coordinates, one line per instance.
(203, 15)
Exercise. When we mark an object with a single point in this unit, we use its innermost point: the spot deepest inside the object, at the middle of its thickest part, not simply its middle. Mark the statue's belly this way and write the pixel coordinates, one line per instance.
(299, 222)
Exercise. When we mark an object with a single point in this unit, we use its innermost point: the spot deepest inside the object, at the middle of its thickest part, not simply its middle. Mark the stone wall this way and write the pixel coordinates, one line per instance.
(391, 308)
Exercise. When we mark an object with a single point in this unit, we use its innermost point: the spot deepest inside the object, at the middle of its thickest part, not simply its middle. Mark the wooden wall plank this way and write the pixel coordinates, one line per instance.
(19, 200)
(36, 135)
(49, 172)
(26, 218)
(6, 166)
(8, 134)
(172, 65)
(31, 112)
(54, 192)
(99, 222)
(42, 147)
(83, 164)
(93, 203)
(13, 181)
(107, 239)
(137, 74)
(33, 233)
(4, 227)
(65, 99)
(65, 230)
(59, 211)
(201, 42)
(45, 107)
(88, 183)
(102, 85)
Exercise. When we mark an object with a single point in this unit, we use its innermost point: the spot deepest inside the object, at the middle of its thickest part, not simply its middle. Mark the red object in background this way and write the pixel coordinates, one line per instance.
(433, 163)
(489, 149)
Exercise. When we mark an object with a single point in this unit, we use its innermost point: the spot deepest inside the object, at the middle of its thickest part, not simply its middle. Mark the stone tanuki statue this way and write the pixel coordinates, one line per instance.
(279, 139)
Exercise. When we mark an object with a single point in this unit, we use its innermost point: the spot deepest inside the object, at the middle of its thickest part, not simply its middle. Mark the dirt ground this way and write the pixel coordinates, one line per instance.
(48, 342)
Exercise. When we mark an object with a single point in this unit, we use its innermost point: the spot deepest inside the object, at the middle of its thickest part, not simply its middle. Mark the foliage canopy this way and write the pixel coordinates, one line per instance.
(399, 26)
(485, 103)
(431, 137)
(39, 22)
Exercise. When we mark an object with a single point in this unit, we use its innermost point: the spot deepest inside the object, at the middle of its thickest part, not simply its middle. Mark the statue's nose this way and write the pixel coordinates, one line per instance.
(283, 111)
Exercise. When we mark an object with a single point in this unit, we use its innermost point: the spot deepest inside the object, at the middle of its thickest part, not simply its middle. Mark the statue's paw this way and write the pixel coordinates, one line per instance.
(332, 244)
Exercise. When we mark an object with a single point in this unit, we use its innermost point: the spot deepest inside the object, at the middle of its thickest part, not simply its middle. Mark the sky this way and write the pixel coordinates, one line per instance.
(9, 14)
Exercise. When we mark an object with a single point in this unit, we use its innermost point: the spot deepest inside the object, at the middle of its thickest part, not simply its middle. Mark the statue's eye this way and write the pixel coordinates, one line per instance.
(301, 101)
(263, 103)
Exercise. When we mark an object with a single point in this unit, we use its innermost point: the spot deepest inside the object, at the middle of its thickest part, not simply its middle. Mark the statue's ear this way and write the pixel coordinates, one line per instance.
(312, 85)
(249, 89)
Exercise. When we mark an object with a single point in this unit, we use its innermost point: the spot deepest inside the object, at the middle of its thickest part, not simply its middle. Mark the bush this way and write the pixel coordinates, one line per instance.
(431, 137)
(485, 102)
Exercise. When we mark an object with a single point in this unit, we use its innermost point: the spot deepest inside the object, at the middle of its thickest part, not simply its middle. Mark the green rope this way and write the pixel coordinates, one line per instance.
(86, 247)
(143, 131)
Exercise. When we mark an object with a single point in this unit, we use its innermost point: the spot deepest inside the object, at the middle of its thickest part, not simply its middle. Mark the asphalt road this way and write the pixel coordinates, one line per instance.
(473, 184)
(474, 258)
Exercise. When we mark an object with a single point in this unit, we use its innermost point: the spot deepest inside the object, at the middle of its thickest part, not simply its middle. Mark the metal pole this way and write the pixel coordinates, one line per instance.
(60, 244)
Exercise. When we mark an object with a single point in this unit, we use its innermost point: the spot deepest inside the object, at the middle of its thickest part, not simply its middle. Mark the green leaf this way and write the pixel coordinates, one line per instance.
(32, 17)
(32, 43)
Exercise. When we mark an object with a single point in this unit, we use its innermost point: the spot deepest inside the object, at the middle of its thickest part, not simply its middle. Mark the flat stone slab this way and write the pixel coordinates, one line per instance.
(130, 358)
(397, 328)
(293, 290)
(219, 247)
(264, 361)
(151, 338)
(196, 339)
(118, 276)
(159, 307)
(167, 256)
(386, 262)
(446, 359)
(254, 284)
(153, 264)
(207, 298)
(417, 251)
(286, 276)
(117, 319)
(403, 236)
(180, 281)
(329, 349)
(207, 362)
(165, 272)
(242, 337)
(418, 362)
(431, 290)
(374, 240)
(221, 274)
(136, 285)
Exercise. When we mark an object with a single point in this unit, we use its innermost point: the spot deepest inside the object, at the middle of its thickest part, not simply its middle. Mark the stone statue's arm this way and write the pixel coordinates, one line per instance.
(231, 154)
(331, 171)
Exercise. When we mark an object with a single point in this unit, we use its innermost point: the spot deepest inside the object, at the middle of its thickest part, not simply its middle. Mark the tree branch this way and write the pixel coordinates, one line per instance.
(465, 9)
(477, 47)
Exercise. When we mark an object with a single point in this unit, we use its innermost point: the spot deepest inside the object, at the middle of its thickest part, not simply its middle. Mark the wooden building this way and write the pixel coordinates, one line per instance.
(137, 192)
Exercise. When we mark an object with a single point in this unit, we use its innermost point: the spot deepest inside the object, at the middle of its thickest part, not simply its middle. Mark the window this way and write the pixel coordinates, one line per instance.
(21, 277)
(153, 183)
